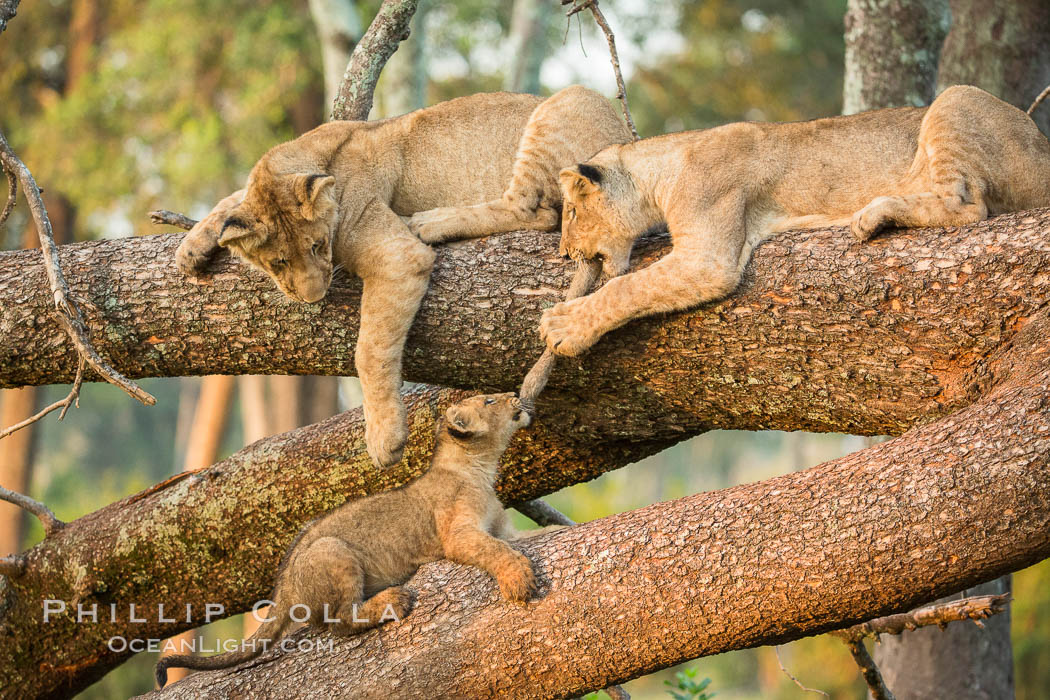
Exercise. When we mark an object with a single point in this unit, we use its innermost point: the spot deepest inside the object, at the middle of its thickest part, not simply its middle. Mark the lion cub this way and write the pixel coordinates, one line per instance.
(341, 196)
(348, 566)
(721, 191)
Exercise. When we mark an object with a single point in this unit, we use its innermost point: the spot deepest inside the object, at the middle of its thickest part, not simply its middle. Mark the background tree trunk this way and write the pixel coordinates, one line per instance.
(892, 50)
(527, 45)
(339, 29)
(1002, 48)
(402, 87)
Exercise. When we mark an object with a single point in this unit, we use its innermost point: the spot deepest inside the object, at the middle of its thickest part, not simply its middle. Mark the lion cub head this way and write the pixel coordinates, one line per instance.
(284, 227)
(483, 425)
(603, 212)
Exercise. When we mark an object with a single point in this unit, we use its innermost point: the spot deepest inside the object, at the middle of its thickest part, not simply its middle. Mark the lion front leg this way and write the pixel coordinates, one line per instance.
(673, 283)
(202, 242)
(394, 285)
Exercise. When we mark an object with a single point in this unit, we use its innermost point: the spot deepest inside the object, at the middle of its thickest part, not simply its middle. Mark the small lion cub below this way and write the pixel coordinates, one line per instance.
(348, 566)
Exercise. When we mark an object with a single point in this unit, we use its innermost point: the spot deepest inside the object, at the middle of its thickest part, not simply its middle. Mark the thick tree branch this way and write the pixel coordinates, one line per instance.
(874, 532)
(824, 334)
(389, 28)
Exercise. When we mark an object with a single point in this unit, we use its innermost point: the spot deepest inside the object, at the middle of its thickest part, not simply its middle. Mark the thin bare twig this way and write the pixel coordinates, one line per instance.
(1042, 96)
(776, 650)
(12, 195)
(71, 399)
(172, 218)
(43, 513)
(12, 566)
(869, 670)
(543, 513)
(67, 312)
(592, 5)
(975, 608)
(587, 273)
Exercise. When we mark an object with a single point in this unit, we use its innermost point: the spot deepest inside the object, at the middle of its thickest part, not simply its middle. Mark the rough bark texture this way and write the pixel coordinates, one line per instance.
(946, 505)
(202, 450)
(388, 29)
(825, 334)
(892, 48)
(1002, 48)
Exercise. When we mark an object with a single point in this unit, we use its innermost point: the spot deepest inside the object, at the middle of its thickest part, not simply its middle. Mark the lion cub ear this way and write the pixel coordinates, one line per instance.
(582, 179)
(308, 188)
(463, 425)
(238, 231)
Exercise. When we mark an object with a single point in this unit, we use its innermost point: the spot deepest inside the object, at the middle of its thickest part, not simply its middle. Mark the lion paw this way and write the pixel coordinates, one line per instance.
(197, 249)
(436, 225)
(873, 218)
(517, 582)
(396, 599)
(566, 330)
(386, 441)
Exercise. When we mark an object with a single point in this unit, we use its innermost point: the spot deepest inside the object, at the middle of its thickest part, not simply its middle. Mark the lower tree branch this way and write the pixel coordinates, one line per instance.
(868, 534)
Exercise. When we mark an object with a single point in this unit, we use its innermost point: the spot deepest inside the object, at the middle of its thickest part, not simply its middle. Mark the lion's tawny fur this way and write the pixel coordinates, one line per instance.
(721, 191)
(349, 564)
(341, 196)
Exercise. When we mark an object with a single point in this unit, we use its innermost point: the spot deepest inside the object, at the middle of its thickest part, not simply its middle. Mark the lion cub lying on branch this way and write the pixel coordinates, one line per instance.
(340, 196)
(349, 564)
(721, 191)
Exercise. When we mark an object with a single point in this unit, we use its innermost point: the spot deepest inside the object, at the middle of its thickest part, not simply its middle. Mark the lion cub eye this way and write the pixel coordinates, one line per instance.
(489, 402)
(282, 262)
(317, 247)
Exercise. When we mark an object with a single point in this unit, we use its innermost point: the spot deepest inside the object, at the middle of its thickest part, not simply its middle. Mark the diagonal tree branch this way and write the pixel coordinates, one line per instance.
(874, 532)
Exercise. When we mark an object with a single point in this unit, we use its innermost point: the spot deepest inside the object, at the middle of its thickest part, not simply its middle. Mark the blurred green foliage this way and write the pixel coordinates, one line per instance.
(183, 97)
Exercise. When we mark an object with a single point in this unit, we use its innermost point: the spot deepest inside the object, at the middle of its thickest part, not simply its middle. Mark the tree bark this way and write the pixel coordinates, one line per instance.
(947, 505)
(205, 437)
(1002, 48)
(388, 29)
(824, 334)
(892, 49)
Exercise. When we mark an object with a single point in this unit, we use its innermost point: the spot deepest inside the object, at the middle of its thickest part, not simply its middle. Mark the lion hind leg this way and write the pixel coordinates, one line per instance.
(916, 211)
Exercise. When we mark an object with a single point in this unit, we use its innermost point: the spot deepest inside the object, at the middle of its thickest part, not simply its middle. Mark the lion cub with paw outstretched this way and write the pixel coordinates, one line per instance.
(348, 566)
(341, 196)
(721, 191)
